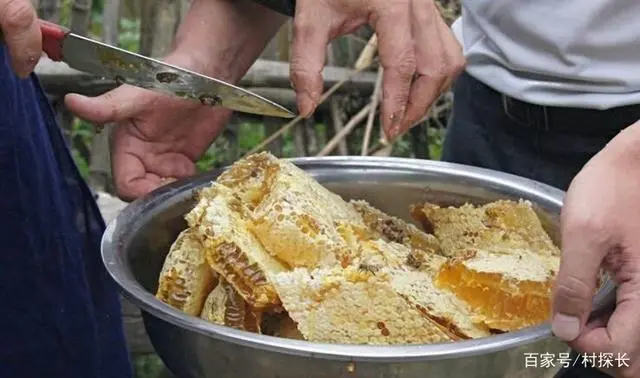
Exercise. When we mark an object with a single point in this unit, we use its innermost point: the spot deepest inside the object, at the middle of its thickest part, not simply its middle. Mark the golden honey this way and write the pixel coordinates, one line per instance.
(504, 304)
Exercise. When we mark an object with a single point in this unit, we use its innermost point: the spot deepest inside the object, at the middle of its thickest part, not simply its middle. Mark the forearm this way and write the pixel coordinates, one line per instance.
(223, 38)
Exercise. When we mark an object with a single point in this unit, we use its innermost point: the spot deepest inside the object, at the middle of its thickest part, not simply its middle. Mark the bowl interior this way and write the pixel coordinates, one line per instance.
(137, 241)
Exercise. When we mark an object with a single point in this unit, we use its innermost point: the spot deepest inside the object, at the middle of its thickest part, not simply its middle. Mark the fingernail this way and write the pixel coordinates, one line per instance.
(565, 327)
(305, 105)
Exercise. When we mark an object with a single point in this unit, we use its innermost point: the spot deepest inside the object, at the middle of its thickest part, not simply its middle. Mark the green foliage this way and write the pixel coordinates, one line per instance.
(81, 133)
(65, 12)
(129, 31)
(148, 366)
(97, 6)
(402, 147)
(225, 149)
(435, 136)
(81, 163)
(130, 34)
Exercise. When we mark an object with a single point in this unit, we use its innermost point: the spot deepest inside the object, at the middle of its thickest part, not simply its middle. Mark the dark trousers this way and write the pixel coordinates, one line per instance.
(548, 144)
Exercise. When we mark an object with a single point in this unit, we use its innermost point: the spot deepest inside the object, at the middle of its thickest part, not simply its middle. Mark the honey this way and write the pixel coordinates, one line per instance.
(307, 224)
(172, 290)
(252, 177)
(505, 305)
(238, 314)
(247, 278)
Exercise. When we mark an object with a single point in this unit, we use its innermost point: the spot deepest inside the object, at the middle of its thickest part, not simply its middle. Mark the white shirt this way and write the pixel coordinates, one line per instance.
(579, 53)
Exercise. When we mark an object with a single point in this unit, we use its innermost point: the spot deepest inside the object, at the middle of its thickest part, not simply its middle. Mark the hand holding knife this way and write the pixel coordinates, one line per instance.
(87, 55)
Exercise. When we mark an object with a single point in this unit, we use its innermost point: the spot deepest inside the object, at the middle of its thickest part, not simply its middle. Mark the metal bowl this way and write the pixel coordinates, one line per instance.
(136, 242)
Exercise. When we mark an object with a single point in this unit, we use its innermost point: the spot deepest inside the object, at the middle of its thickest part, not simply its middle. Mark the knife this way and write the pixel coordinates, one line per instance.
(87, 55)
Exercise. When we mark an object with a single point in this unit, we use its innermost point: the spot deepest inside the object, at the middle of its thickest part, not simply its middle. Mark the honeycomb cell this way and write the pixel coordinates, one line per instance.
(505, 304)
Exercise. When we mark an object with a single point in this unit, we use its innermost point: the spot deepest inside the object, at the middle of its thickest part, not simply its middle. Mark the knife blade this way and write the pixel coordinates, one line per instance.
(87, 55)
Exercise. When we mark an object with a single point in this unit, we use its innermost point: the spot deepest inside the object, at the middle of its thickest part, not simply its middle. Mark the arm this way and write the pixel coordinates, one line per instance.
(223, 38)
(599, 229)
(158, 136)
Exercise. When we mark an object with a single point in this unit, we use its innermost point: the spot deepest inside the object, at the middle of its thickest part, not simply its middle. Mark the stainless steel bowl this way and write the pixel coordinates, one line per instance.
(136, 242)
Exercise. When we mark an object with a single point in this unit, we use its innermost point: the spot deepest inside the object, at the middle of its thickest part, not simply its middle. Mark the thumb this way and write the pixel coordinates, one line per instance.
(113, 106)
(309, 48)
(583, 250)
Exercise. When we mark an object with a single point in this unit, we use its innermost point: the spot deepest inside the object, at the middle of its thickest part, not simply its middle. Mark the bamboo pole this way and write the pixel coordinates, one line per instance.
(368, 53)
(353, 122)
(375, 98)
(295, 121)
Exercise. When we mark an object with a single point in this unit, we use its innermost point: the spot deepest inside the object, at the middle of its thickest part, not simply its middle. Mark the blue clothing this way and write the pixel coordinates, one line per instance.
(59, 309)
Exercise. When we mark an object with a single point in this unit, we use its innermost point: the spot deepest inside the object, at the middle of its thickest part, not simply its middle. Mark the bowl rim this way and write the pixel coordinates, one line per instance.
(120, 229)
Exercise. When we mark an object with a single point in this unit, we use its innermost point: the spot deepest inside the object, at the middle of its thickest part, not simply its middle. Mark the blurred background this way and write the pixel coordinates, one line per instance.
(346, 122)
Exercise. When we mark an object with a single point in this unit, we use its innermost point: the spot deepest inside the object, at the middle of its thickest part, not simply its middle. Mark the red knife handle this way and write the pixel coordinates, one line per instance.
(52, 39)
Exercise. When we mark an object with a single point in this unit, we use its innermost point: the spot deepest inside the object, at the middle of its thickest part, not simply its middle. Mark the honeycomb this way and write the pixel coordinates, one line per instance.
(251, 178)
(507, 224)
(247, 277)
(269, 250)
(226, 307)
(392, 229)
(230, 249)
(186, 278)
(297, 220)
(504, 303)
(237, 313)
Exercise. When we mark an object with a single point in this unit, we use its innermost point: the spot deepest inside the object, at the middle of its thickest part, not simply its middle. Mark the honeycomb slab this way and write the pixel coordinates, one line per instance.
(270, 250)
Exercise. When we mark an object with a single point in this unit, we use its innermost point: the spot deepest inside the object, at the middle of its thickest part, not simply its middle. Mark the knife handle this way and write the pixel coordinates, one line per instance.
(52, 39)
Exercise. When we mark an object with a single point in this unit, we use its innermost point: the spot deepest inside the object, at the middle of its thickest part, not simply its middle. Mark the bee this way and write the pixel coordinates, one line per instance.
(368, 268)
(414, 260)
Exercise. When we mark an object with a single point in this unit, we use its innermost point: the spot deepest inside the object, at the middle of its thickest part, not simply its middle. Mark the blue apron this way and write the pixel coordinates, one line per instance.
(59, 311)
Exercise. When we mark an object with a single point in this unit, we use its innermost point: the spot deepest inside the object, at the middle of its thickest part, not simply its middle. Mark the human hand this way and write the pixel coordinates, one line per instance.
(417, 50)
(600, 228)
(156, 137)
(21, 33)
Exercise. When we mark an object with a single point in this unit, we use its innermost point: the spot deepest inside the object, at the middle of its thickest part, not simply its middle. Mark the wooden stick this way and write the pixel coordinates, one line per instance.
(337, 120)
(383, 143)
(368, 53)
(353, 122)
(375, 98)
(293, 122)
(338, 124)
(384, 151)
